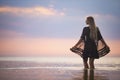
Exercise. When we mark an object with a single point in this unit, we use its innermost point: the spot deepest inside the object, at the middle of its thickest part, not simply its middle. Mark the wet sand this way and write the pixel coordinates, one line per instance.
(58, 74)
(57, 69)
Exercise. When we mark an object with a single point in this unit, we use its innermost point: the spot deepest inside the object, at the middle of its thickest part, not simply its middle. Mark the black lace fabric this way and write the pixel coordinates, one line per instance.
(102, 49)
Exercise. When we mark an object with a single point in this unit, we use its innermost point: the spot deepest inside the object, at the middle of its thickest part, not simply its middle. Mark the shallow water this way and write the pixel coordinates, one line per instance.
(106, 63)
(57, 68)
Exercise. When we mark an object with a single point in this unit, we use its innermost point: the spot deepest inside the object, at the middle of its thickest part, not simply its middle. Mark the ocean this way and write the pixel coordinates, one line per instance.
(22, 68)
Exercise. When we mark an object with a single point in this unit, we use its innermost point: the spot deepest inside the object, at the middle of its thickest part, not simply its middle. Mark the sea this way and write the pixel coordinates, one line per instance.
(75, 63)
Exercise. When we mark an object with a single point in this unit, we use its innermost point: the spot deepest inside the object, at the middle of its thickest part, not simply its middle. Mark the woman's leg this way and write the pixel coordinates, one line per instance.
(91, 63)
(85, 63)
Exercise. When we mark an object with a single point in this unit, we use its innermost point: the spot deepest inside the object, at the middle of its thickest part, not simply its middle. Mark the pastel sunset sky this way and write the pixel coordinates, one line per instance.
(51, 27)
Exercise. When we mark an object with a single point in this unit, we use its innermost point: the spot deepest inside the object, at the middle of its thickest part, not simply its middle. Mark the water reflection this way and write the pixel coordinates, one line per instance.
(91, 75)
(85, 76)
(88, 74)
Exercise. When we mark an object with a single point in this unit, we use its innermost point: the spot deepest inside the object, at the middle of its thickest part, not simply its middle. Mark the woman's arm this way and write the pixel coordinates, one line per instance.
(78, 42)
(81, 38)
(103, 41)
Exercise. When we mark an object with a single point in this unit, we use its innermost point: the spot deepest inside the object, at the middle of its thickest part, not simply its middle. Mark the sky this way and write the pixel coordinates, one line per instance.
(51, 27)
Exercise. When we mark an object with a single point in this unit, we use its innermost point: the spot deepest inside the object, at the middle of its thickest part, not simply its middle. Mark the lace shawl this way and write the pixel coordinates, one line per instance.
(101, 48)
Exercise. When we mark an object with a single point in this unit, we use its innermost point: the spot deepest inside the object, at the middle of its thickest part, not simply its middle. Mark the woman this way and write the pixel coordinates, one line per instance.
(90, 37)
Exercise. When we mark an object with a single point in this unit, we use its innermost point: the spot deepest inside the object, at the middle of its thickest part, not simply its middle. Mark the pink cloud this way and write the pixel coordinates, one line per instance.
(34, 11)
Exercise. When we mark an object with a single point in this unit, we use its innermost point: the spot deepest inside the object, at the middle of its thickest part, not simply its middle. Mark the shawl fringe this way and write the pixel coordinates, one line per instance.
(101, 48)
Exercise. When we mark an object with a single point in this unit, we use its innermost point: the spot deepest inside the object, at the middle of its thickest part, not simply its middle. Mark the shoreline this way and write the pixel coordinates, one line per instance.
(58, 69)
(58, 74)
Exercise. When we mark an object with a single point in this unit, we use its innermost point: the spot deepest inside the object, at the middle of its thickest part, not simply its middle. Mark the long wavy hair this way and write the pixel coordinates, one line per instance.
(92, 26)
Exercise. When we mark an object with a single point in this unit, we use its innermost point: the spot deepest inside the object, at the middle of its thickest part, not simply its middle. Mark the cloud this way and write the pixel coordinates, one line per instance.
(34, 11)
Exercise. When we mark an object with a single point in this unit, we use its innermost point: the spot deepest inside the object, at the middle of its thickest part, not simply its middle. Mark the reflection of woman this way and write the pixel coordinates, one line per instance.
(85, 75)
(90, 36)
(90, 75)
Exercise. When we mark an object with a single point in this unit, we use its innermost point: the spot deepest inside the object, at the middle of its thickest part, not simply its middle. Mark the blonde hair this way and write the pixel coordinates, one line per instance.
(92, 26)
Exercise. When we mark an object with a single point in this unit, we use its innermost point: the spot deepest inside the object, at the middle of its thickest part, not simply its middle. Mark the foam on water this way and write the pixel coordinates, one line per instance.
(68, 63)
